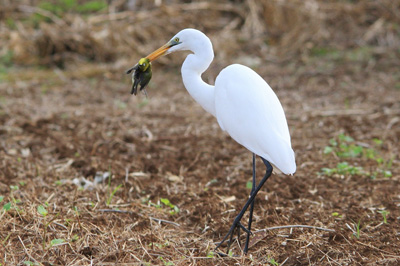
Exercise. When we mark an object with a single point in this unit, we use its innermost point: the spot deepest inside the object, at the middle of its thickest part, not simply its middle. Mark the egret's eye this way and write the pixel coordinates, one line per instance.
(176, 39)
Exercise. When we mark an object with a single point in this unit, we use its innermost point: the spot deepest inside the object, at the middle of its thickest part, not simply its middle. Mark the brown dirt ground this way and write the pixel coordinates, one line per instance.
(61, 124)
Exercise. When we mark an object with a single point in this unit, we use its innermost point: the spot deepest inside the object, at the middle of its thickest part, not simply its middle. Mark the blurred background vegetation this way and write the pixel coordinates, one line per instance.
(60, 32)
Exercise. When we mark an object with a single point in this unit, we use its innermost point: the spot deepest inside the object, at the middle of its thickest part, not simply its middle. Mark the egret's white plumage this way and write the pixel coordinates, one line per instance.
(243, 103)
(245, 107)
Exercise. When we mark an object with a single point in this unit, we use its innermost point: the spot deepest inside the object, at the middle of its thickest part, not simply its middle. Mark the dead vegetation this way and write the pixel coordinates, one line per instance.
(154, 181)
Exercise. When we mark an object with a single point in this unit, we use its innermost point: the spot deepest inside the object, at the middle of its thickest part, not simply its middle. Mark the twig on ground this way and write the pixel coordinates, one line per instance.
(295, 226)
(117, 211)
(284, 261)
(27, 253)
(164, 221)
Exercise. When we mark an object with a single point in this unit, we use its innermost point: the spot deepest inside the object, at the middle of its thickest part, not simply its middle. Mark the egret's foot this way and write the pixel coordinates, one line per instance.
(236, 225)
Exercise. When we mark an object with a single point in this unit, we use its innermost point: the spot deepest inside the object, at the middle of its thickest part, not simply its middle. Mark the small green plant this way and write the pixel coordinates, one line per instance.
(91, 6)
(249, 184)
(160, 246)
(111, 193)
(110, 197)
(28, 262)
(63, 6)
(272, 261)
(343, 168)
(384, 215)
(163, 201)
(210, 254)
(174, 208)
(7, 206)
(230, 253)
(336, 214)
(166, 263)
(356, 228)
(344, 146)
(77, 214)
(75, 238)
(326, 52)
(358, 54)
(42, 211)
(56, 242)
(13, 204)
(209, 183)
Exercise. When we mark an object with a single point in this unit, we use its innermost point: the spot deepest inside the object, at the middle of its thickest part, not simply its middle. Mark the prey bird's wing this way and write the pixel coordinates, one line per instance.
(131, 69)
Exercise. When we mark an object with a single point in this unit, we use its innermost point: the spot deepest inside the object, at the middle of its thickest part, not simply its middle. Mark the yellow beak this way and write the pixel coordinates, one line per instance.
(159, 52)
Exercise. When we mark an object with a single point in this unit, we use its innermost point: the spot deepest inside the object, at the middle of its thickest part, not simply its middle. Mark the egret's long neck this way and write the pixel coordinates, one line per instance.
(195, 64)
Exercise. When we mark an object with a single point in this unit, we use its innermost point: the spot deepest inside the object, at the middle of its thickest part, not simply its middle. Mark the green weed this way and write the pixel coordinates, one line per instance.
(7, 206)
(174, 208)
(272, 261)
(336, 214)
(384, 215)
(166, 263)
(358, 54)
(13, 204)
(343, 168)
(11, 23)
(61, 7)
(210, 254)
(358, 229)
(111, 193)
(91, 6)
(56, 242)
(326, 52)
(249, 184)
(344, 146)
(28, 262)
(42, 211)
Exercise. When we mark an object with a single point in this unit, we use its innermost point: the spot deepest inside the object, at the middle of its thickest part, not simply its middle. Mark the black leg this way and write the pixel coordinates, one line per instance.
(236, 223)
(253, 188)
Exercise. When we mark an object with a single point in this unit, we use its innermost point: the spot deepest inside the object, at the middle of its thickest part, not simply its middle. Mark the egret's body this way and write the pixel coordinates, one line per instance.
(260, 125)
(242, 102)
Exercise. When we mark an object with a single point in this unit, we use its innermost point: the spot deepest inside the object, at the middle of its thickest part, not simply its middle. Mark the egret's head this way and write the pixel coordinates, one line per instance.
(169, 47)
(187, 39)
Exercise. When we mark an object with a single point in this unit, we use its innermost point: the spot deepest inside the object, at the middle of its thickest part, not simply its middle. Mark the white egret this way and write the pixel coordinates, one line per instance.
(244, 105)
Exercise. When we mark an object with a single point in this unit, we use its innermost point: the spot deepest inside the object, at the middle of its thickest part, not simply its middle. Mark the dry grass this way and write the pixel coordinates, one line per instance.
(285, 27)
(66, 114)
